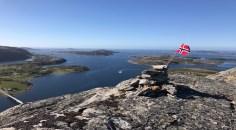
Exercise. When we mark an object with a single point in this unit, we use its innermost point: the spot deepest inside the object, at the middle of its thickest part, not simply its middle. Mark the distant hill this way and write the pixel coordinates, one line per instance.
(101, 52)
(13, 54)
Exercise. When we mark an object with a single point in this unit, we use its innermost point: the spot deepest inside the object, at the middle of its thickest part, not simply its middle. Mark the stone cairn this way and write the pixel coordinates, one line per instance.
(152, 82)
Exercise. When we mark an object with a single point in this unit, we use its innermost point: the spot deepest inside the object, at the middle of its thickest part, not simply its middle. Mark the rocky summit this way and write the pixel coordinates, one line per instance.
(153, 100)
(228, 76)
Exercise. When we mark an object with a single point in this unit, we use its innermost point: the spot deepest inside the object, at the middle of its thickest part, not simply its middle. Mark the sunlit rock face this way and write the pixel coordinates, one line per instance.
(228, 76)
(177, 102)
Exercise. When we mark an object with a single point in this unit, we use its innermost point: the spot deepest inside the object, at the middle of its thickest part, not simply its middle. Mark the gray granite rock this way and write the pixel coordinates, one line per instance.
(135, 83)
(197, 103)
(170, 89)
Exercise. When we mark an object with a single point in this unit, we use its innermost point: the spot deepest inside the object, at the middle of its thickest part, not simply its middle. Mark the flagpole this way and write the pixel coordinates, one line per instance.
(183, 50)
(170, 60)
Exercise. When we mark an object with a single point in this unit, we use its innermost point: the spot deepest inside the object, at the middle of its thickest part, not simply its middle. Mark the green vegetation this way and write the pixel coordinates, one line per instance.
(163, 59)
(66, 69)
(16, 77)
(101, 52)
(160, 60)
(192, 71)
(13, 85)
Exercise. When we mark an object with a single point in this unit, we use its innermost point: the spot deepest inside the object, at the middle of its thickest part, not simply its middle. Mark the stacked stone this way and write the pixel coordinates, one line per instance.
(158, 74)
(150, 82)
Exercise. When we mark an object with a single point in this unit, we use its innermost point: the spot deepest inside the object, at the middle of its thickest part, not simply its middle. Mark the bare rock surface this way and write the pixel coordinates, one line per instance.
(182, 103)
(228, 76)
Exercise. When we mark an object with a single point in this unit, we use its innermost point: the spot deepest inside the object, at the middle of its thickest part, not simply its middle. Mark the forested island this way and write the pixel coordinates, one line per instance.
(101, 52)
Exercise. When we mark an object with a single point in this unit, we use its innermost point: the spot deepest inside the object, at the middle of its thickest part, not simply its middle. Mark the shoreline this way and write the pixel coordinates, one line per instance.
(126, 106)
(15, 78)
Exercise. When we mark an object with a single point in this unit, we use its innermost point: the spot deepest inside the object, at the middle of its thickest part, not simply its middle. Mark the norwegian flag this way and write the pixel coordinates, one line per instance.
(184, 50)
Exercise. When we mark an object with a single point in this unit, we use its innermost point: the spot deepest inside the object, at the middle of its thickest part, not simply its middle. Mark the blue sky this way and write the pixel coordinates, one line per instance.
(118, 24)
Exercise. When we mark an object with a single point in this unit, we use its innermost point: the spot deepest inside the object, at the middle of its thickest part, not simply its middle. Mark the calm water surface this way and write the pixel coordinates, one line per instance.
(103, 72)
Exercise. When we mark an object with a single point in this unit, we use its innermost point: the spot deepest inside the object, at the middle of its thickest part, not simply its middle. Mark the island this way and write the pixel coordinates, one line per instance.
(100, 52)
(45, 60)
(163, 59)
(191, 60)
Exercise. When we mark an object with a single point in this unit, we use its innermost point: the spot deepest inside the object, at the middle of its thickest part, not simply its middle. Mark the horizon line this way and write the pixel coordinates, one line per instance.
(109, 48)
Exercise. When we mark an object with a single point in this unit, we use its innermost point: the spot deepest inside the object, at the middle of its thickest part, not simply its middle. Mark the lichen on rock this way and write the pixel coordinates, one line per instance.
(179, 102)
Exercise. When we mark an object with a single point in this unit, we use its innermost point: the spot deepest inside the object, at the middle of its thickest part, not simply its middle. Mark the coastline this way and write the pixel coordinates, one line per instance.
(127, 109)
(17, 78)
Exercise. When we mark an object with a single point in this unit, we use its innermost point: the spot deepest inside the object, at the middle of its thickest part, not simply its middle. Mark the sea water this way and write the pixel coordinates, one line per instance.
(105, 71)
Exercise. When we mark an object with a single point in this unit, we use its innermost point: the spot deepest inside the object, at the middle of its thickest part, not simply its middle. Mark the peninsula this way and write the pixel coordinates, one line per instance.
(17, 76)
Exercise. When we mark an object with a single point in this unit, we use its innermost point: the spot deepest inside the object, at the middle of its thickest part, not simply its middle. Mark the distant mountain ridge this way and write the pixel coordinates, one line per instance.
(13, 54)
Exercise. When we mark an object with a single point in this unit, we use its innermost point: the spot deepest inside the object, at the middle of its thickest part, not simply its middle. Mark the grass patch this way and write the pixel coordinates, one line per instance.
(192, 71)
(16, 77)
(13, 85)
(67, 69)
